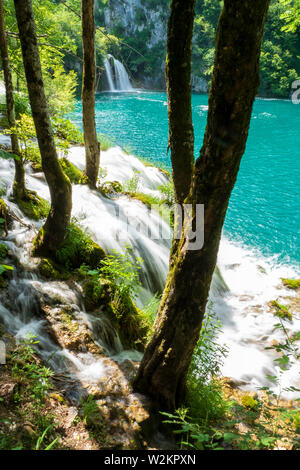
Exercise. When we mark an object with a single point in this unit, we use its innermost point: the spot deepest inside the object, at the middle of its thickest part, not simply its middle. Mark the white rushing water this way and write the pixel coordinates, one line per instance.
(109, 75)
(253, 281)
(116, 74)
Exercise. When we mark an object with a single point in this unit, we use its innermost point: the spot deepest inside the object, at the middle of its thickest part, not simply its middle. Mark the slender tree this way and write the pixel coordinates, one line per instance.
(163, 370)
(53, 232)
(19, 190)
(178, 72)
(92, 146)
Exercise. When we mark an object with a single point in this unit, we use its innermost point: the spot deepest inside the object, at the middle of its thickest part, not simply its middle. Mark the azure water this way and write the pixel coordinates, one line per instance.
(263, 211)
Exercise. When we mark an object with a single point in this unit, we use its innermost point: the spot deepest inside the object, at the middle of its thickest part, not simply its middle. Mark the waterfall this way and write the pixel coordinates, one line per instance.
(122, 79)
(117, 77)
(109, 74)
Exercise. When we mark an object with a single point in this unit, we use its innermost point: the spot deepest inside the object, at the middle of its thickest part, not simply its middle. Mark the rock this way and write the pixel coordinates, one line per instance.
(72, 414)
(7, 391)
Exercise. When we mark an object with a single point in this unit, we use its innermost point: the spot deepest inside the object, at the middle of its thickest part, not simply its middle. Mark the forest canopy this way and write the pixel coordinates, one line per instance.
(59, 34)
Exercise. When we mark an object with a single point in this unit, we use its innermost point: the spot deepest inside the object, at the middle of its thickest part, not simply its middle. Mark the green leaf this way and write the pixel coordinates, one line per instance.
(8, 155)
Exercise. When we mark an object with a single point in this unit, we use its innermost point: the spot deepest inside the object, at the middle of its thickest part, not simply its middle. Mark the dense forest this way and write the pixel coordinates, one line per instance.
(135, 33)
(113, 301)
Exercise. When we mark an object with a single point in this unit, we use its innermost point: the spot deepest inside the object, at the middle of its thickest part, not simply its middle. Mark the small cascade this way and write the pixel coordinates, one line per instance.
(116, 74)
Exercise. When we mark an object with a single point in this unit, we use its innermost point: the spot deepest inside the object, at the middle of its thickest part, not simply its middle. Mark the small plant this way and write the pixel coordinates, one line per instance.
(90, 411)
(42, 437)
(132, 184)
(281, 311)
(105, 142)
(123, 269)
(27, 367)
(78, 248)
(102, 173)
(167, 191)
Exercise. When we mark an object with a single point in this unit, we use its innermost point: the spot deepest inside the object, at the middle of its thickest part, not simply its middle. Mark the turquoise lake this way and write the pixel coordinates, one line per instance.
(264, 206)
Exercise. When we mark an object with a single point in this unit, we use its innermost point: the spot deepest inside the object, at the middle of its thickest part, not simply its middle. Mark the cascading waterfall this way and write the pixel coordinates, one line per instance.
(253, 281)
(117, 76)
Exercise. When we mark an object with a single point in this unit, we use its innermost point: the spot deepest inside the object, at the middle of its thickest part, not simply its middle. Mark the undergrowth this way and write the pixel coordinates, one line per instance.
(216, 416)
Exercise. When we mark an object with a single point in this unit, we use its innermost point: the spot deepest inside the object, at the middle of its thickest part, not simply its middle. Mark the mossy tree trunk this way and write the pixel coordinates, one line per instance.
(164, 367)
(178, 72)
(53, 232)
(92, 146)
(178, 75)
(19, 190)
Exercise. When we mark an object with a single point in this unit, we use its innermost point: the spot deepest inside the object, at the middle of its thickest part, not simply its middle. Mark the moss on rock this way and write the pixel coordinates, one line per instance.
(128, 321)
(95, 293)
(33, 206)
(111, 187)
(50, 270)
(75, 175)
(291, 283)
(78, 248)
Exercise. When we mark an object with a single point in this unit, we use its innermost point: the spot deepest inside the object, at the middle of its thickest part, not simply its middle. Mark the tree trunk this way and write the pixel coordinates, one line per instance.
(92, 146)
(178, 72)
(166, 361)
(19, 191)
(53, 232)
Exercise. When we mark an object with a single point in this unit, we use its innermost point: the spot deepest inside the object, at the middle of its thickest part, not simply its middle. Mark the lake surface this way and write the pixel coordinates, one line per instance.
(264, 207)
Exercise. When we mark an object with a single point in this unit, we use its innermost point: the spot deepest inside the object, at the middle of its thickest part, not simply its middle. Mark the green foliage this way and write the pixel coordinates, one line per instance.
(42, 437)
(132, 184)
(204, 396)
(148, 315)
(3, 251)
(4, 268)
(168, 192)
(22, 105)
(114, 284)
(32, 386)
(276, 69)
(27, 368)
(54, 44)
(281, 311)
(78, 248)
(65, 134)
(105, 142)
(123, 269)
(102, 173)
(279, 59)
(64, 129)
(90, 411)
(290, 15)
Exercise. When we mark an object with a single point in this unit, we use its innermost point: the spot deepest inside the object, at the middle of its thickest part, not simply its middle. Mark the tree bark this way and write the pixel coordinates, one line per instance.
(92, 146)
(165, 364)
(178, 72)
(53, 232)
(19, 190)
